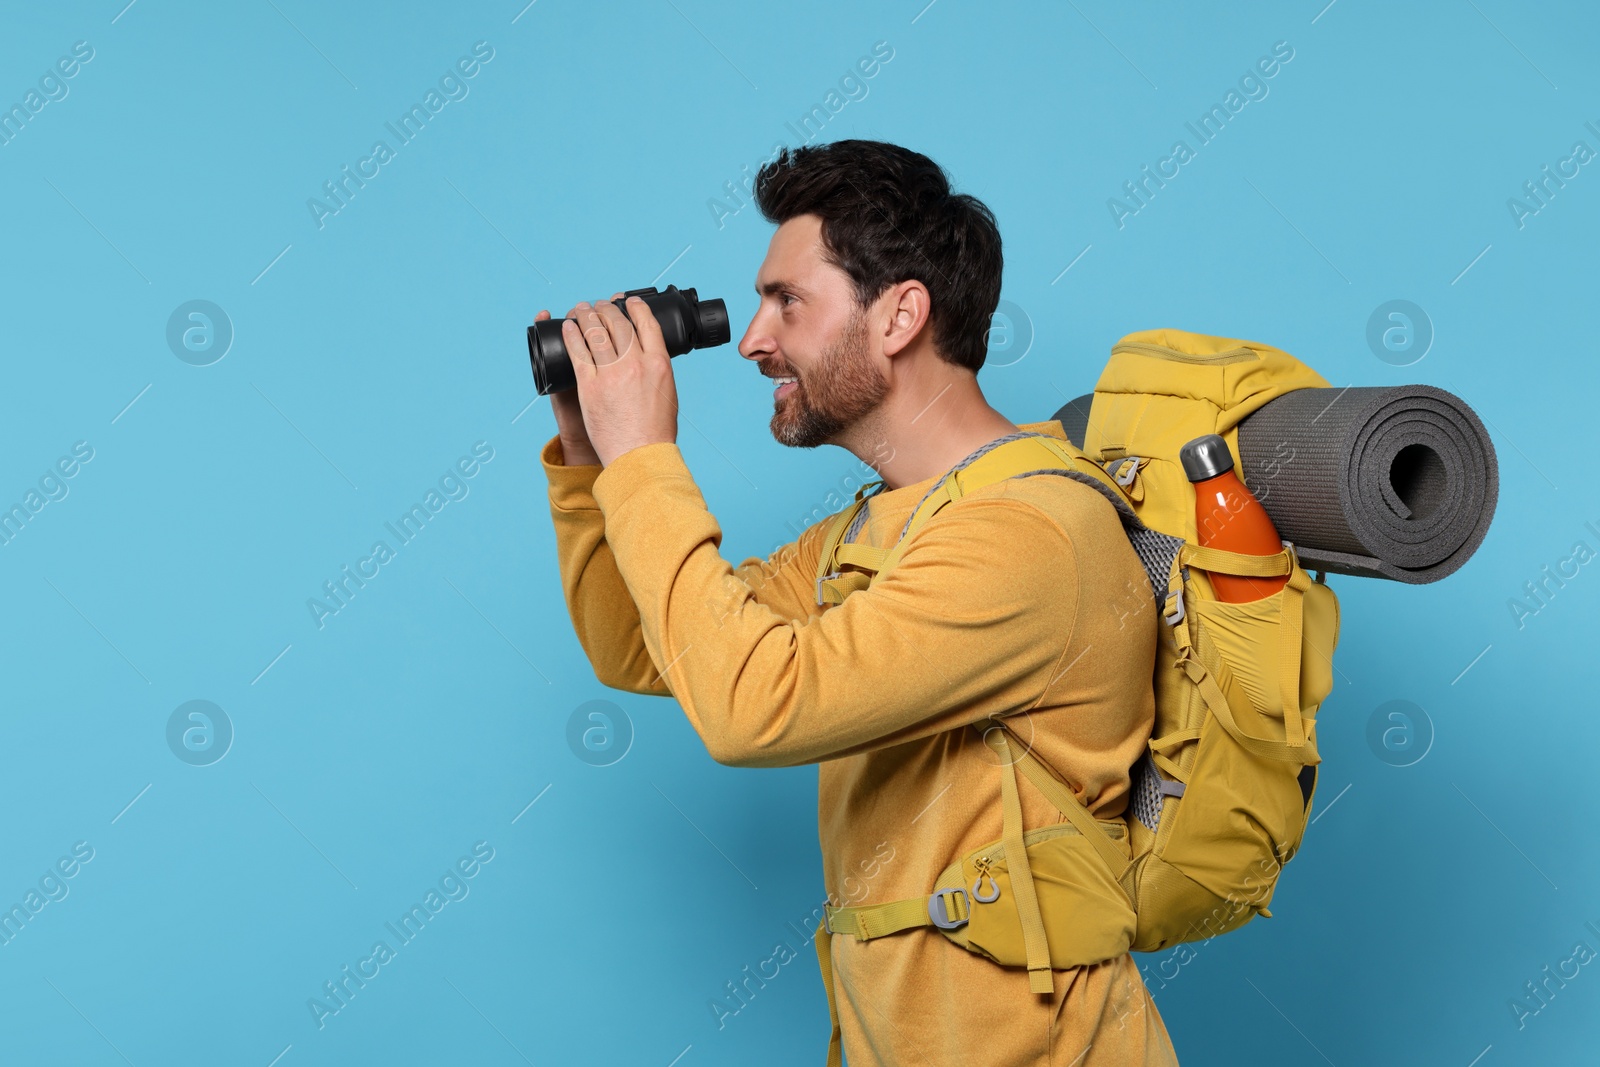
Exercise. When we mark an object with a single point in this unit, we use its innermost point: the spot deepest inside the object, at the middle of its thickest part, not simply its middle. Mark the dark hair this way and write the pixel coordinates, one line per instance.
(888, 215)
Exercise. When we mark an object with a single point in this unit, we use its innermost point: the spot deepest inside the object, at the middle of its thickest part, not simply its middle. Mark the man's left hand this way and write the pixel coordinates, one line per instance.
(625, 382)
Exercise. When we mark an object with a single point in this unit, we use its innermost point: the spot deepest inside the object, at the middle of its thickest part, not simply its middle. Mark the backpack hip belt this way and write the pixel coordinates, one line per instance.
(1042, 899)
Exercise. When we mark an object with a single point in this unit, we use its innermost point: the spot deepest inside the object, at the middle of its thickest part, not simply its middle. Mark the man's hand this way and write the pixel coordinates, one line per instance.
(626, 391)
(576, 448)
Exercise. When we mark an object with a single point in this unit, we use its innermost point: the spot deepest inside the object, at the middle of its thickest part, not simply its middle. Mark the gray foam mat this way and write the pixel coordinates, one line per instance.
(1396, 482)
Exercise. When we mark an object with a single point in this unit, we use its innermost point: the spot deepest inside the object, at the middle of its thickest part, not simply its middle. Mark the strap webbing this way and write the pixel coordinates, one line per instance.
(1290, 638)
(824, 943)
(1005, 457)
(1170, 768)
(831, 586)
(1237, 563)
(1067, 802)
(1023, 893)
(833, 589)
(860, 556)
(867, 921)
(1172, 740)
(1159, 746)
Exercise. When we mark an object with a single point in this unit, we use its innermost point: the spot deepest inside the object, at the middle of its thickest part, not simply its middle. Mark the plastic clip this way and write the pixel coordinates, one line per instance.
(939, 912)
(1178, 611)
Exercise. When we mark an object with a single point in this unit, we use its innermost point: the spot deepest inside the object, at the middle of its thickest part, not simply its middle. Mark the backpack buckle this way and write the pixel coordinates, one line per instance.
(939, 910)
(824, 578)
(1178, 610)
(1123, 471)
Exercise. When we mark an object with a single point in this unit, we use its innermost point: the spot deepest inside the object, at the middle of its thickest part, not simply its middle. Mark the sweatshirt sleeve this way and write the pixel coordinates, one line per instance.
(603, 612)
(976, 620)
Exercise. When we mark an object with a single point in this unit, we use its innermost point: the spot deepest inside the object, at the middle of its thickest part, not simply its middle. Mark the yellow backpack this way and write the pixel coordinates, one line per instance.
(1222, 797)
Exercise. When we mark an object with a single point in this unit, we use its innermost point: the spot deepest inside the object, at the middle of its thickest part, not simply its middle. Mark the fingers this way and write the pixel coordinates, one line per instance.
(542, 316)
(575, 336)
(603, 341)
(620, 329)
(644, 321)
(598, 334)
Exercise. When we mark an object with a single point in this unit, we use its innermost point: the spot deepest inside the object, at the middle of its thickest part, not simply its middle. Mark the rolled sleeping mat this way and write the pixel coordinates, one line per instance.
(1396, 482)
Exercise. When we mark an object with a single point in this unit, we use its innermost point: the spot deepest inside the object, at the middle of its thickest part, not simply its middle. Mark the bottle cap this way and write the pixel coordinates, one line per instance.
(1205, 457)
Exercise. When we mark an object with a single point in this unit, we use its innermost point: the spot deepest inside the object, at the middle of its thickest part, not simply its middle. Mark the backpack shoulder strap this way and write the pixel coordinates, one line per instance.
(1034, 453)
(832, 548)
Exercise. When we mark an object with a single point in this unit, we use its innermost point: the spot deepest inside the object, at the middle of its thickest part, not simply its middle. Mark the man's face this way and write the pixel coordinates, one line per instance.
(809, 327)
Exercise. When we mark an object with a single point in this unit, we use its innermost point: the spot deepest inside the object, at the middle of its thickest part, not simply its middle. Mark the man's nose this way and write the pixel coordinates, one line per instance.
(755, 343)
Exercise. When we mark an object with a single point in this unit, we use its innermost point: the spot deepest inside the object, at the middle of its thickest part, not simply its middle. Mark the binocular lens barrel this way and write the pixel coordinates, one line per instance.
(686, 322)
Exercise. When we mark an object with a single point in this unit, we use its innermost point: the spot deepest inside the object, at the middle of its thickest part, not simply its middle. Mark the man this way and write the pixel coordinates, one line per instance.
(876, 296)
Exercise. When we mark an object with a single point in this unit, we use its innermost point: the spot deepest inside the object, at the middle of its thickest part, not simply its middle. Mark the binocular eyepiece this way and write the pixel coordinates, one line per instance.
(686, 321)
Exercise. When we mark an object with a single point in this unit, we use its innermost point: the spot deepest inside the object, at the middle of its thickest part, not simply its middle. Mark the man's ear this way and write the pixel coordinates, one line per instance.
(906, 309)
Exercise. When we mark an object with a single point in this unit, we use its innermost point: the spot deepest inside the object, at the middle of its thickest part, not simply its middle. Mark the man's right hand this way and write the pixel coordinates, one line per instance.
(576, 451)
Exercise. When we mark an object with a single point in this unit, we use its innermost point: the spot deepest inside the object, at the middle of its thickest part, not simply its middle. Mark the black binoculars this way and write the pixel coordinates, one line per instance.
(686, 321)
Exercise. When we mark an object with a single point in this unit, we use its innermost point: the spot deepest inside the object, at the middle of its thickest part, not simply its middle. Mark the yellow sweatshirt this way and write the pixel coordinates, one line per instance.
(1011, 602)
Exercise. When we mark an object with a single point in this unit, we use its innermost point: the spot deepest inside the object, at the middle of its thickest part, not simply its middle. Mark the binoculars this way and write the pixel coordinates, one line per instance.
(687, 322)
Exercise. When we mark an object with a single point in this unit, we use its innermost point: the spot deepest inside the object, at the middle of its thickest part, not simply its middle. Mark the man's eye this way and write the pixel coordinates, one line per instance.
(786, 298)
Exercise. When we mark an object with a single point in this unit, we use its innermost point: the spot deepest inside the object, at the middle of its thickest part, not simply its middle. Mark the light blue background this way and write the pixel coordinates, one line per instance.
(427, 714)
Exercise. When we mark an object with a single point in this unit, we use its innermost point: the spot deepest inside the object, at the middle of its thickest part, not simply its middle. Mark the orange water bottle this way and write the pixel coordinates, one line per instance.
(1229, 517)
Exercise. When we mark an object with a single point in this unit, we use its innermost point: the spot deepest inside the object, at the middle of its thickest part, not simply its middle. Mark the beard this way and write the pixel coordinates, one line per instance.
(844, 387)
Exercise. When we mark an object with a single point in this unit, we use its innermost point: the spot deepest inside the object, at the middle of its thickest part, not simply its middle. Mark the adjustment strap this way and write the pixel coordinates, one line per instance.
(1067, 802)
(1159, 747)
(830, 546)
(864, 556)
(1168, 766)
(833, 588)
(867, 921)
(1172, 740)
(1222, 711)
(824, 942)
(943, 494)
(1023, 893)
(1237, 563)
(1290, 635)
(1076, 460)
